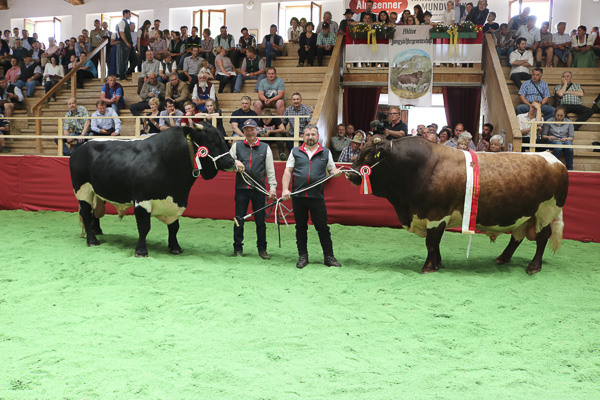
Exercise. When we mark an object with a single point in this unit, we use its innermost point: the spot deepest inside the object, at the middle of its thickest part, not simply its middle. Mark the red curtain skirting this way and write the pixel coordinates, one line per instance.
(36, 183)
(360, 106)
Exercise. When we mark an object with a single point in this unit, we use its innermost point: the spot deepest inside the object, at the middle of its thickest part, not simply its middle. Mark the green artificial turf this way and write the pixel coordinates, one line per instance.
(98, 323)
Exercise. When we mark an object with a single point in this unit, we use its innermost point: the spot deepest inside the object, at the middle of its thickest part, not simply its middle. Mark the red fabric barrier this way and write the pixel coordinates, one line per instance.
(43, 183)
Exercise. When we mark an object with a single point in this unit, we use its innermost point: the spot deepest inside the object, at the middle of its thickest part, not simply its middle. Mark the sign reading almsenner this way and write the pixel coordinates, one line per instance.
(435, 7)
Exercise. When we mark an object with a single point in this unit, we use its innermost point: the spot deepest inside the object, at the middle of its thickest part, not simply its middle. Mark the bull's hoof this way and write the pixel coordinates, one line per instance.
(428, 270)
(533, 270)
(176, 251)
(500, 260)
(141, 255)
(93, 242)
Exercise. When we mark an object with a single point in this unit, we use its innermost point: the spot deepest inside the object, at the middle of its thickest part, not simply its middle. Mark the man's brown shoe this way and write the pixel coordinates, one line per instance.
(264, 255)
(330, 261)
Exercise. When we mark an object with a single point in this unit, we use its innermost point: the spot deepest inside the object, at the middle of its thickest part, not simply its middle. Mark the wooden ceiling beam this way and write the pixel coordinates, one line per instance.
(3, 4)
(75, 2)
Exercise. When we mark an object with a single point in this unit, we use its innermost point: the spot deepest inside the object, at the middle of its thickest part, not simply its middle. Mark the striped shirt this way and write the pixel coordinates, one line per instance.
(569, 99)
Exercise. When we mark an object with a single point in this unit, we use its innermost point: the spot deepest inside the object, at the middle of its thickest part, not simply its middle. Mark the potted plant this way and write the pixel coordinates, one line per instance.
(440, 31)
(468, 30)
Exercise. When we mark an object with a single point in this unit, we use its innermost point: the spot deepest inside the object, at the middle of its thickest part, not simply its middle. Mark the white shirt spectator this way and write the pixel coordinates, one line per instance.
(516, 56)
(532, 36)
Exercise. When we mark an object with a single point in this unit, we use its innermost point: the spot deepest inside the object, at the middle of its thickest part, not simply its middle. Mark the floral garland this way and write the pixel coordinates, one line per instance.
(379, 28)
(467, 26)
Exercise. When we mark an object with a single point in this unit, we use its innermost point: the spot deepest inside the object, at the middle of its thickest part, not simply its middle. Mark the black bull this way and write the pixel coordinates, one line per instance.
(425, 182)
(153, 174)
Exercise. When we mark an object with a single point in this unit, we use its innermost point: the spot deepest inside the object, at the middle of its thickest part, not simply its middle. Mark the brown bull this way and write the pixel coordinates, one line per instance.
(413, 78)
(520, 193)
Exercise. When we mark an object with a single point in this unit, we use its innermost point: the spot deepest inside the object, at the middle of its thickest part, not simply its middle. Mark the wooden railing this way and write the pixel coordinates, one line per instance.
(72, 75)
(326, 114)
(497, 107)
(60, 123)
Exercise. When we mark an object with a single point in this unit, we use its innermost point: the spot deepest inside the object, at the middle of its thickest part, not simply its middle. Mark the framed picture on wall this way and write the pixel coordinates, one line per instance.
(254, 32)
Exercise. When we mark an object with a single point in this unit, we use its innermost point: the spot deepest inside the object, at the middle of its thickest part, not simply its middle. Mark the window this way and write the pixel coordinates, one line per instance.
(542, 9)
(211, 19)
(45, 27)
(114, 18)
(310, 11)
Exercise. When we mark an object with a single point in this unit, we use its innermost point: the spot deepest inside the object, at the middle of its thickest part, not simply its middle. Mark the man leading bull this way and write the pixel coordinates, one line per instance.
(307, 165)
(256, 159)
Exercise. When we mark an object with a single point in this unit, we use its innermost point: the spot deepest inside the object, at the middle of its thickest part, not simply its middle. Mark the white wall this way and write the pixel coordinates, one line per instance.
(590, 14)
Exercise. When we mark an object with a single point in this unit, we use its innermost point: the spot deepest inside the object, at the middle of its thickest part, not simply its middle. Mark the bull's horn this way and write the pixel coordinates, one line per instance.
(199, 126)
(377, 140)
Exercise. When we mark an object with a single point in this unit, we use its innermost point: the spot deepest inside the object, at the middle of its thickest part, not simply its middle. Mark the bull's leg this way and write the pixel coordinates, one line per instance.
(432, 241)
(508, 251)
(541, 239)
(174, 247)
(85, 211)
(142, 217)
(96, 226)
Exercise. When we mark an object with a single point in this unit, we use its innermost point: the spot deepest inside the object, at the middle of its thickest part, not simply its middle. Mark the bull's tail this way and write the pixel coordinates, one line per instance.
(557, 232)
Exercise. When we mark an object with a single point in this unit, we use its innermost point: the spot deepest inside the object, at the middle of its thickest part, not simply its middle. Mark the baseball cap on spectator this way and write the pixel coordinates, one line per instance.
(250, 123)
(325, 25)
(348, 11)
(357, 139)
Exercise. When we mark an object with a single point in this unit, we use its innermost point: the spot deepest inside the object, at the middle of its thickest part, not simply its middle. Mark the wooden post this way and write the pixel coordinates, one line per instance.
(532, 136)
(74, 85)
(137, 127)
(38, 129)
(60, 135)
(296, 131)
(102, 63)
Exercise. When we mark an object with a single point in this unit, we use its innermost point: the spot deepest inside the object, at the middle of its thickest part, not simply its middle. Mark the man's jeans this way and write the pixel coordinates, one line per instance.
(239, 81)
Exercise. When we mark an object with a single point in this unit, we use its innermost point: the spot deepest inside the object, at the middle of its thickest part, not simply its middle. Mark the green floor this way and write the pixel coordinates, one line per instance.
(97, 323)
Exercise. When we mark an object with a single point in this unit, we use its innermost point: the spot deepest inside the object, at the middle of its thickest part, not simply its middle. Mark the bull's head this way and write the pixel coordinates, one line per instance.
(218, 156)
(372, 152)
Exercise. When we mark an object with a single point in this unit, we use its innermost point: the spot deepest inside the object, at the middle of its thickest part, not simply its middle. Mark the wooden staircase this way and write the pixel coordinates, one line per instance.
(305, 80)
(589, 79)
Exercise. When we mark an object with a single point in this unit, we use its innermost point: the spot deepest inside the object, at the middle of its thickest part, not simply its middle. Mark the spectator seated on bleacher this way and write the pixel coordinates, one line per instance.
(4, 130)
(243, 114)
(19, 52)
(203, 91)
(225, 69)
(545, 46)
(169, 111)
(105, 126)
(294, 31)
(458, 129)
(333, 26)
(531, 33)
(36, 53)
(177, 91)
(484, 139)
(496, 144)
(189, 115)
(253, 67)
(271, 93)
(273, 127)
(152, 122)
(112, 94)
(339, 142)
(504, 43)
(152, 89)
(226, 41)
(167, 67)
(246, 40)
(82, 46)
(207, 45)
(159, 46)
(520, 60)
(176, 49)
(86, 71)
(569, 95)
(31, 76)
(272, 45)
(13, 73)
(560, 134)
(368, 11)
(53, 73)
(535, 89)
(352, 151)
(297, 108)
(148, 66)
(49, 52)
(533, 114)
(561, 46)
(581, 45)
(74, 127)
(325, 43)
(308, 46)
(491, 25)
(10, 96)
(191, 67)
(213, 111)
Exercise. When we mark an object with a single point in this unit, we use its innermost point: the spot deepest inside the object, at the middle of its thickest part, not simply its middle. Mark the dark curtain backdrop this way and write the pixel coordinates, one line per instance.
(462, 106)
(360, 106)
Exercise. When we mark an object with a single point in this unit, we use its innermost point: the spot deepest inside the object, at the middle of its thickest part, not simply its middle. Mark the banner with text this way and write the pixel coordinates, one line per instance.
(411, 67)
(435, 7)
